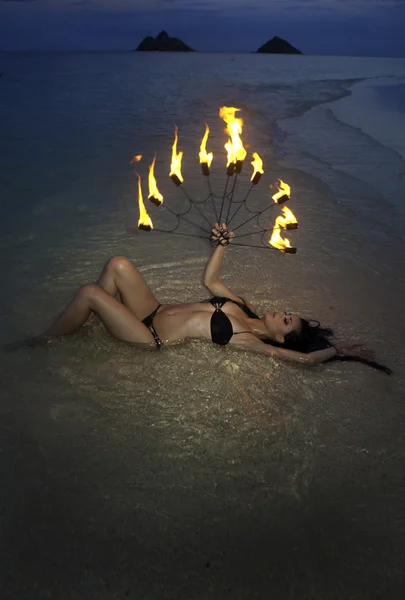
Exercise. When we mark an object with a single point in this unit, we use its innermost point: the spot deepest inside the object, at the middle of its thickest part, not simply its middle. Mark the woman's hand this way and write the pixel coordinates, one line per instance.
(221, 235)
(354, 349)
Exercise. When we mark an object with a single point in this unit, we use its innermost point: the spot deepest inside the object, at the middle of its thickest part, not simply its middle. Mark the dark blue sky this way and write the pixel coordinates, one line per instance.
(343, 27)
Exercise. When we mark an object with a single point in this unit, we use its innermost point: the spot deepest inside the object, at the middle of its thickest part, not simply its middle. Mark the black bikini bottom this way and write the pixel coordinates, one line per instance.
(148, 321)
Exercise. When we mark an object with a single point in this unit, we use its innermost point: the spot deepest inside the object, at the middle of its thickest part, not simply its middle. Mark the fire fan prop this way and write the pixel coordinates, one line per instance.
(224, 207)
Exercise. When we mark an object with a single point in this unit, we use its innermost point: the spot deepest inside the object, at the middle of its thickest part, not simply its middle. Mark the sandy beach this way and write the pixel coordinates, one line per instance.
(201, 471)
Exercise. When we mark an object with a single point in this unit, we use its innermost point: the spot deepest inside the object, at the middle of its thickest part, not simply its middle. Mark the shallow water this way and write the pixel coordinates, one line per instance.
(114, 444)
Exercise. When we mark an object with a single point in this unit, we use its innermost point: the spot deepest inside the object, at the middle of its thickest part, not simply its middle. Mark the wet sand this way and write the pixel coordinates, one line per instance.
(206, 472)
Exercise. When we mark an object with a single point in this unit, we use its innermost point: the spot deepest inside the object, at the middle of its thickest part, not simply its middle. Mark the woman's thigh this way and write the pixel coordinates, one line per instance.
(134, 291)
(119, 320)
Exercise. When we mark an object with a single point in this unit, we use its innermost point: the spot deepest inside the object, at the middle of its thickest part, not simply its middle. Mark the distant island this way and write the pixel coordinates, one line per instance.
(277, 46)
(163, 43)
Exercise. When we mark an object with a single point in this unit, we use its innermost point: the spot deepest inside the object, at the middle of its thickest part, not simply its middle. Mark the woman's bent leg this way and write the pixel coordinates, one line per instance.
(117, 318)
(121, 276)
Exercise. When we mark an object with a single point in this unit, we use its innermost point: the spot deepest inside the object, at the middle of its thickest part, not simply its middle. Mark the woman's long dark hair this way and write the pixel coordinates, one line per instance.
(312, 337)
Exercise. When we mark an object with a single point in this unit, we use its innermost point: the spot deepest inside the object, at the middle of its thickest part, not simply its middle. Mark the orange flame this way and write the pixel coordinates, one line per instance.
(175, 165)
(204, 156)
(136, 158)
(283, 190)
(144, 219)
(257, 165)
(234, 146)
(281, 223)
(153, 188)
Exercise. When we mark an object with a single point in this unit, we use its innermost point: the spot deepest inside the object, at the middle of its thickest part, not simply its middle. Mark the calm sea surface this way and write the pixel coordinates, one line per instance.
(70, 122)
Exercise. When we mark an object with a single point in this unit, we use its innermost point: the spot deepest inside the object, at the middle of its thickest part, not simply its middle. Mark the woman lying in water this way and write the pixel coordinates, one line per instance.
(224, 319)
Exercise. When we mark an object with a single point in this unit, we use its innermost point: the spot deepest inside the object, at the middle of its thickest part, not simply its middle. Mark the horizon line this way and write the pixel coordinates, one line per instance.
(133, 51)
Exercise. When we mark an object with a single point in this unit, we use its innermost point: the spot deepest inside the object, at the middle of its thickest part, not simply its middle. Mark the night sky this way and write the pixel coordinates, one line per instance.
(342, 27)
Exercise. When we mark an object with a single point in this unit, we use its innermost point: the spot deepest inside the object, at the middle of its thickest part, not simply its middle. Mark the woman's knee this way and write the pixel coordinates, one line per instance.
(119, 264)
(88, 292)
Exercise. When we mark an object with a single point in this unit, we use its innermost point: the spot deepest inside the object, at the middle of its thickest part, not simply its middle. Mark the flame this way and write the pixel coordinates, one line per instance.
(283, 190)
(257, 165)
(144, 218)
(234, 146)
(289, 217)
(204, 156)
(136, 158)
(153, 188)
(175, 165)
(281, 223)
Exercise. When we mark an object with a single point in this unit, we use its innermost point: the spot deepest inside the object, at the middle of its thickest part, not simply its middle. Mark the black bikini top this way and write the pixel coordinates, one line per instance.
(219, 301)
(221, 326)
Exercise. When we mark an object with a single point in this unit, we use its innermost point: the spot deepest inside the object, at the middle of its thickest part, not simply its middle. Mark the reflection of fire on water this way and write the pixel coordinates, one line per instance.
(154, 195)
(205, 158)
(145, 222)
(234, 147)
(283, 194)
(175, 166)
(288, 221)
(257, 165)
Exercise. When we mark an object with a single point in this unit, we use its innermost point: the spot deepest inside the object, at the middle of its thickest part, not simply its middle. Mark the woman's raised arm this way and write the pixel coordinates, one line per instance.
(213, 267)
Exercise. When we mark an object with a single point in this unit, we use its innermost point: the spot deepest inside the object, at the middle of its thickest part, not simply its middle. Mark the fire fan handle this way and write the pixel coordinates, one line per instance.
(220, 235)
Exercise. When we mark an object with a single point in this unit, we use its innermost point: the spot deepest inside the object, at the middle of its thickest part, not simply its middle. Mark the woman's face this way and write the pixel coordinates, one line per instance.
(279, 324)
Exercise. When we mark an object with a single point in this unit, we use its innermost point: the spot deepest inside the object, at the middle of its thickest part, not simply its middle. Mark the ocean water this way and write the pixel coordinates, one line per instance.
(216, 422)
